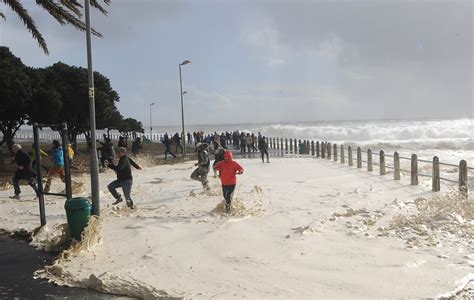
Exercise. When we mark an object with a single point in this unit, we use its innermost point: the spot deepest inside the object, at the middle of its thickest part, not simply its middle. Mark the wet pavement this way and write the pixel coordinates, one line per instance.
(18, 261)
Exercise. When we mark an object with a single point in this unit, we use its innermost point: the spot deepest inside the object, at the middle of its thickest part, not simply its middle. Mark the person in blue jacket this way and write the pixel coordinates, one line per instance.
(58, 165)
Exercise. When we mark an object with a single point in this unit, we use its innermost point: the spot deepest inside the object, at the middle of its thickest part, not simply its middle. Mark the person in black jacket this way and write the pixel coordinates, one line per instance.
(106, 152)
(218, 155)
(167, 143)
(24, 171)
(200, 174)
(263, 149)
(124, 177)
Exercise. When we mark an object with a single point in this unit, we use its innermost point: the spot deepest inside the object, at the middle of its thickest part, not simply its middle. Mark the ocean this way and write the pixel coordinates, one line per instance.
(450, 140)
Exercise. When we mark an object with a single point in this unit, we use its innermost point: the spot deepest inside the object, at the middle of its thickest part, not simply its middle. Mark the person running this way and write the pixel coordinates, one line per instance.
(228, 169)
(24, 171)
(124, 177)
(167, 143)
(136, 146)
(218, 156)
(263, 147)
(58, 165)
(42, 154)
(107, 152)
(200, 174)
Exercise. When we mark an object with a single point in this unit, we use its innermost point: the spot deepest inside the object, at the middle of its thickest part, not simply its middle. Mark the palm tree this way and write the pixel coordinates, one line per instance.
(65, 12)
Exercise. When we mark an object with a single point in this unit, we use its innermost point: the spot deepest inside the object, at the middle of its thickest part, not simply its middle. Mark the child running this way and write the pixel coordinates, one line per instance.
(228, 169)
(124, 177)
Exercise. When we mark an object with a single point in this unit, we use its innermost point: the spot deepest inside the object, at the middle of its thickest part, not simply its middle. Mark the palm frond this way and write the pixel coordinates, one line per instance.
(95, 4)
(63, 16)
(22, 13)
(73, 6)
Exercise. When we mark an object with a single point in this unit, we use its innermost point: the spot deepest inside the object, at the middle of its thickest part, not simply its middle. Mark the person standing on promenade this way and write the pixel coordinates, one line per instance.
(124, 178)
(24, 171)
(58, 165)
(200, 174)
(228, 169)
(263, 147)
(136, 146)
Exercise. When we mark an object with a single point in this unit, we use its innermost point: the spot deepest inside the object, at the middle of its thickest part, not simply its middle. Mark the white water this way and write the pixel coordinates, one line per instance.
(450, 140)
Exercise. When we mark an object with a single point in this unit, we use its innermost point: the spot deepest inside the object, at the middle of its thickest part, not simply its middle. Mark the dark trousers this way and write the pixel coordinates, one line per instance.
(168, 151)
(126, 186)
(16, 183)
(200, 174)
(264, 152)
(228, 191)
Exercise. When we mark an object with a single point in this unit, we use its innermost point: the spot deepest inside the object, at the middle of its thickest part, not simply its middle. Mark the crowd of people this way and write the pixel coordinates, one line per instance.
(221, 146)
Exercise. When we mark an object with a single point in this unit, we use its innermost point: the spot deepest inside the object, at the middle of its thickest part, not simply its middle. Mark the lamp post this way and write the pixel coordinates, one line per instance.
(151, 127)
(94, 164)
(183, 138)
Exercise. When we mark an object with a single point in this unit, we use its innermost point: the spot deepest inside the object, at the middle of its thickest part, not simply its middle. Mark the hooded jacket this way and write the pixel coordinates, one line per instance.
(203, 157)
(228, 168)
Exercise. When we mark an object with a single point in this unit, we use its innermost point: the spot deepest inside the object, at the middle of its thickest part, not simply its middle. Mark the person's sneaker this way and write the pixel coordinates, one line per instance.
(17, 197)
(117, 201)
(227, 208)
(130, 204)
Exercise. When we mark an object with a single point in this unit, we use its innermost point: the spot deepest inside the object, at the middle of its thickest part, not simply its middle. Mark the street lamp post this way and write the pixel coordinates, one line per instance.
(151, 127)
(183, 137)
(94, 164)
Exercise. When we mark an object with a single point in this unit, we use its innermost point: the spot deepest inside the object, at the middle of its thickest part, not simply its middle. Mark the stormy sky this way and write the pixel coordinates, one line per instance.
(272, 61)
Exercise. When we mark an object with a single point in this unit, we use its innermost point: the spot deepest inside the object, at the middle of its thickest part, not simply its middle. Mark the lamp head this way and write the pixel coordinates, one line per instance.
(185, 62)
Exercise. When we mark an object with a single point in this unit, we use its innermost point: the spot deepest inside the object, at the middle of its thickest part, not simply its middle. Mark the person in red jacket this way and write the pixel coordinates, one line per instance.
(228, 168)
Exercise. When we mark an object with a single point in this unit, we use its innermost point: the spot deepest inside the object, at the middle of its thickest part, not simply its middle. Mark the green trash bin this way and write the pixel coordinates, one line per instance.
(78, 212)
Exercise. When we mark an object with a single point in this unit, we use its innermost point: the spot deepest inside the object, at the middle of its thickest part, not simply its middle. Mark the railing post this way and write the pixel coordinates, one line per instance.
(436, 183)
(291, 145)
(286, 145)
(463, 187)
(370, 168)
(359, 158)
(323, 149)
(312, 148)
(317, 149)
(335, 152)
(342, 154)
(382, 162)
(304, 147)
(329, 150)
(396, 166)
(349, 156)
(296, 147)
(281, 145)
(414, 169)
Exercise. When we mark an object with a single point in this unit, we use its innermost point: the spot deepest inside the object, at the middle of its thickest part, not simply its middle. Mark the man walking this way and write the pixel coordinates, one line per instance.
(167, 143)
(263, 147)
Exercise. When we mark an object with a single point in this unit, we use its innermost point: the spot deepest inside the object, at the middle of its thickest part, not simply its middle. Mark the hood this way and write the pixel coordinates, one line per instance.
(228, 155)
